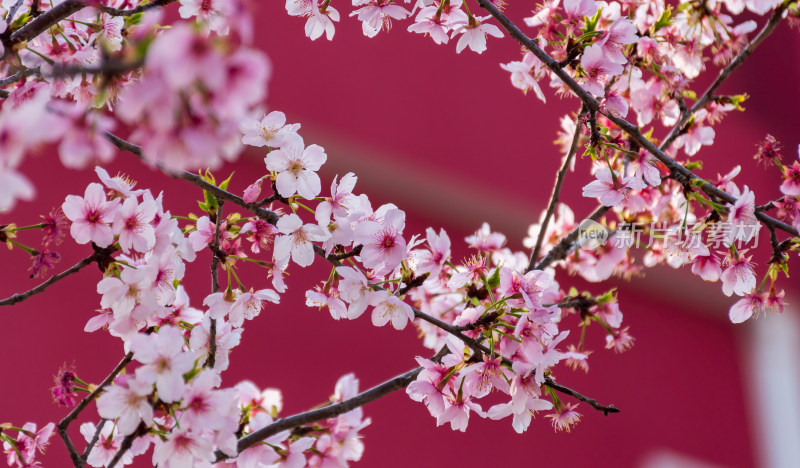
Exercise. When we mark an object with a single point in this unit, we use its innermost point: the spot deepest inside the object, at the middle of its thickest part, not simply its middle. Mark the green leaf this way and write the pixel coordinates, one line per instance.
(224, 184)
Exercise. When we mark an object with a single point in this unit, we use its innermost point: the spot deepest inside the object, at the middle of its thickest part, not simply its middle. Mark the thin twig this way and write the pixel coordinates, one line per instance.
(126, 444)
(590, 401)
(267, 215)
(563, 248)
(557, 188)
(51, 17)
(94, 440)
(77, 459)
(13, 11)
(25, 72)
(133, 11)
(330, 411)
(53, 279)
(212, 329)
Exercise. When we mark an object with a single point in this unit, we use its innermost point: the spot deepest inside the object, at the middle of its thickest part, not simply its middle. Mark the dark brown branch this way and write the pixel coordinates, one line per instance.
(94, 440)
(133, 11)
(564, 247)
(562, 173)
(330, 411)
(215, 259)
(60, 12)
(45, 21)
(53, 279)
(126, 444)
(25, 72)
(78, 460)
(267, 215)
(589, 401)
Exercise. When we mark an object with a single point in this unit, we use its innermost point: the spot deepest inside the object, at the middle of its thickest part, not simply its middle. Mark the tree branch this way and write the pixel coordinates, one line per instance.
(95, 438)
(98, 255)
(51, 17)
(78, 460)
(212, 329)
(267, 215)
(562, 173)
(330, 411)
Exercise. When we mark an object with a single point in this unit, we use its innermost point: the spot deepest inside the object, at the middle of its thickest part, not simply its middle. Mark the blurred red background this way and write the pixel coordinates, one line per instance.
(447, 138)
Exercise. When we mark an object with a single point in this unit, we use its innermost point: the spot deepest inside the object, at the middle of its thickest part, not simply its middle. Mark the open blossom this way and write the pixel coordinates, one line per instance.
(270, 131)
(28, 443)
(248, 305)
(751, 304)
(340, 200)
(742, 222)
(296, 166)
(354, 288)
(108, 444)
(739, 277)
(474, 33)
(610, 188)
(377, 15)
(621, 33)
(697, 135)
(321, 298)
(389, 307)
(297, 240)
(163, 361)
(127, 402)
(91, 216)
(183, 447)
(133, 223)
(564, 417)
(598, 70)
(524, 74)
(384, 246)
(791, 184)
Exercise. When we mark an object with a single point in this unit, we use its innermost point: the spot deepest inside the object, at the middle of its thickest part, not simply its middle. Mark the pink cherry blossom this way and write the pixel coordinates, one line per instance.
(377, 15)
(384, 245)
(791, 184)
(526, 73)
(474, 33)
(127, 403)
(610, 188)
(598, 70)
(163, 361)
(750, 305)
(738, 277)
(133, 222)
(91, 216)
(270, 131)
(621, 33)
(107, 446)
(388, 307)
(296, 166)
(297, 240)
(249, 304)
(742, 222)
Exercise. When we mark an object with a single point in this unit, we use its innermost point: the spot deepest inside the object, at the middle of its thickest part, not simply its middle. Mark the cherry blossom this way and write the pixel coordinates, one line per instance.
(91, 216)
(296, 241)
(610, 188)
(296, 166)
